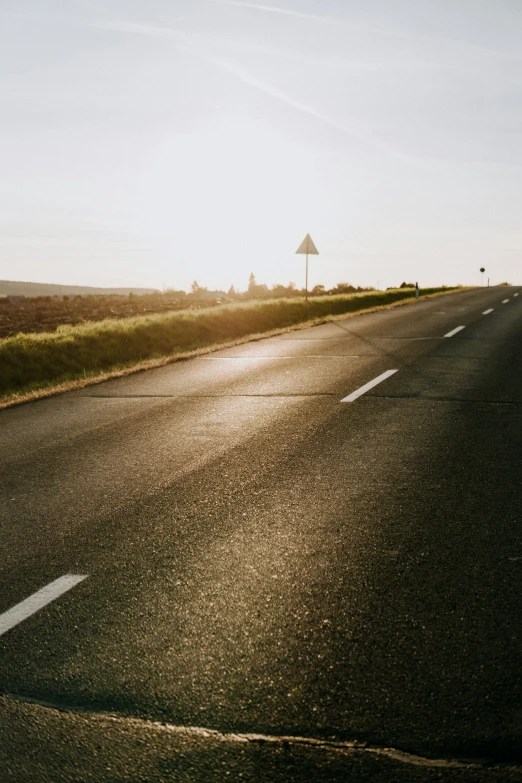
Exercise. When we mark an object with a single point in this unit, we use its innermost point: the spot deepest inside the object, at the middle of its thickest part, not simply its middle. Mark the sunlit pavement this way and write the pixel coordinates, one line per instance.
(297, 565)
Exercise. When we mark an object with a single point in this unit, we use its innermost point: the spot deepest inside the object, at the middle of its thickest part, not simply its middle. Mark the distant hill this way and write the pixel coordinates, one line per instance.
(17, 288)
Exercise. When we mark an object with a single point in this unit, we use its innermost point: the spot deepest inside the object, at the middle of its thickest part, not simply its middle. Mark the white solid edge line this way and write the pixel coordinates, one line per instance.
(505, 301)
(487, 312)
(454, 331)
(367, 386)
(38, 600)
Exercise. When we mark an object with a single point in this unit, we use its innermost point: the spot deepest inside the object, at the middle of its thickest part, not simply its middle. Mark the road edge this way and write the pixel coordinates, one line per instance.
(150, 364)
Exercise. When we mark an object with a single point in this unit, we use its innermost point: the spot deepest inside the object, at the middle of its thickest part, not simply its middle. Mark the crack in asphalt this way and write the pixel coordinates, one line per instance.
(297, 395)
(202, 396)
(343, 747)
(426, 398)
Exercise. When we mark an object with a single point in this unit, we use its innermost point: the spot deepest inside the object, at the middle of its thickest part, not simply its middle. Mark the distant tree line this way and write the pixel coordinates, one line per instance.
(257, 290)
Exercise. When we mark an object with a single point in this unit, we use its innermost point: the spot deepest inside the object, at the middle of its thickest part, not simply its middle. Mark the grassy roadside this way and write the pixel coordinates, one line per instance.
(38, 365)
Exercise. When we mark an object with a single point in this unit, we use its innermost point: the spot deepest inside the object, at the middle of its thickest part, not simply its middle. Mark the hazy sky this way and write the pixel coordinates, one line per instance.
(153, 142)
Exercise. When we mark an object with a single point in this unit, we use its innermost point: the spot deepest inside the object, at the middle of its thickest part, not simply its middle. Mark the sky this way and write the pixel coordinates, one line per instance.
(156, 142)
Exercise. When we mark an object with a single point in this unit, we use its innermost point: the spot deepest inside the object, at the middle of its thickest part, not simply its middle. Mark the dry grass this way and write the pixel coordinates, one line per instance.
(39, 365)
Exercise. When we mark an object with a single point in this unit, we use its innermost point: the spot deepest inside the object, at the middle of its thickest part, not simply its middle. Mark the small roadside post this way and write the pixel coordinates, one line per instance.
(482, 270)
(307, 248)
(416, 290)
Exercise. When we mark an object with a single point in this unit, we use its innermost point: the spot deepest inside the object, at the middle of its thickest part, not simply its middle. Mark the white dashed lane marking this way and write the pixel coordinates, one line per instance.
(367, 386)
(454, 331)
(37, 601)
(487, 312)
(505, 301)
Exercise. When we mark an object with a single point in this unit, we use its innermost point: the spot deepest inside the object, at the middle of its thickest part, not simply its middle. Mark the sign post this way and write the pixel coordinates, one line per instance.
(482, 270)
(307, 248)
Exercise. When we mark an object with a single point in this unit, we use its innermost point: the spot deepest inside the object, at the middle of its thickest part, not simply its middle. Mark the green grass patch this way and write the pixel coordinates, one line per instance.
(31, 362)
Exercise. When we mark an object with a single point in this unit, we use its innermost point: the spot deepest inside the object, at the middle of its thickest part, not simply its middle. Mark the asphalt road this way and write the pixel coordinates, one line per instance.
(279, 585)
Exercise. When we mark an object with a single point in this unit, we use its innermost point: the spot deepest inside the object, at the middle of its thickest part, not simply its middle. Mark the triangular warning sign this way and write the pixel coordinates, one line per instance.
(307, 247)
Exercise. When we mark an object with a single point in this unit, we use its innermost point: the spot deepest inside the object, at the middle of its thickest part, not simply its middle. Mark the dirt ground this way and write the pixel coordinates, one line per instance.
(45, 313)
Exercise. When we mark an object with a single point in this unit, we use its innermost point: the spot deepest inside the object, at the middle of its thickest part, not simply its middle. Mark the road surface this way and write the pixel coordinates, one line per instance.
(257, 565)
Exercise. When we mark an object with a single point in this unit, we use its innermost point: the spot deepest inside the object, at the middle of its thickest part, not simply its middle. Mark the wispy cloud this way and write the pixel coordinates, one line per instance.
(277, 10)
(274, 92)
(179, 37)
(312, 17)
(370, 29)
